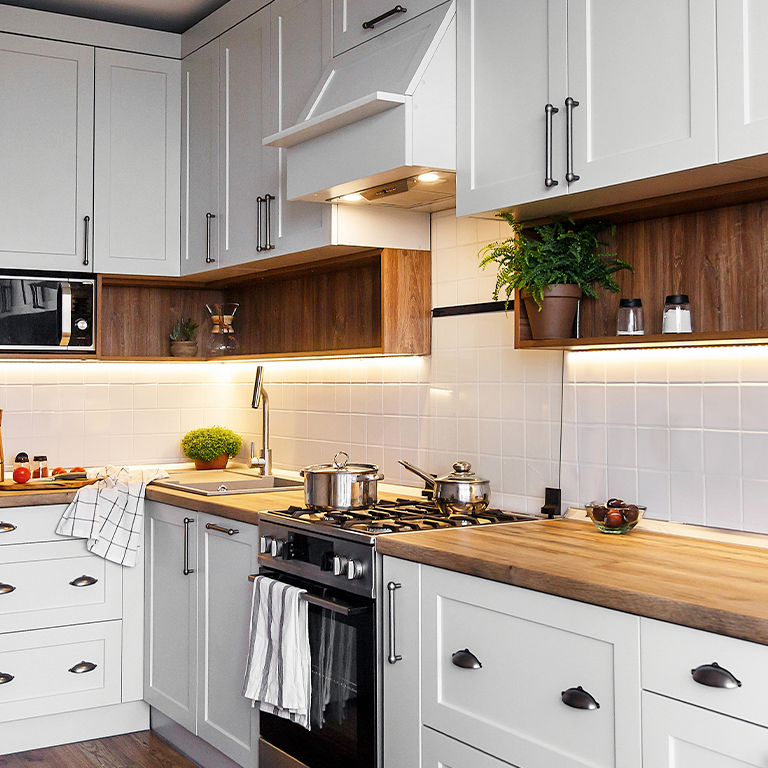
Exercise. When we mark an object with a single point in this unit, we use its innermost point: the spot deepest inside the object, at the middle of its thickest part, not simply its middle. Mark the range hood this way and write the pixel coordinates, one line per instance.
(382, 115)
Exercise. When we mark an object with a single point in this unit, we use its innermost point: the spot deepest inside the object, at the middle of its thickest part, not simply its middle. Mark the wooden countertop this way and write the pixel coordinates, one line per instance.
(708, 585)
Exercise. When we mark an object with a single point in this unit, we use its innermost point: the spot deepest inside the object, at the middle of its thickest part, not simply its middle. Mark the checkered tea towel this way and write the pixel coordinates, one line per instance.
(110, 513)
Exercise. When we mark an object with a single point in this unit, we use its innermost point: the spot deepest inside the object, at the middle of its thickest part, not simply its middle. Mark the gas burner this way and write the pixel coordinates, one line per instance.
(319, 516)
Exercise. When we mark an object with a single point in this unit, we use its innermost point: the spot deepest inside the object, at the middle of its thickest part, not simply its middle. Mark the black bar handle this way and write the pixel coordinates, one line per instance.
(87, 221)
(187, 570)
(715, 676)
(393, 657)
(208, 258)
(373, 22)
(228, 531)
(82, 667)
(7, 527)
(268, 200)
(6, 588)
(259, 247)
(466, 659)
(83, 581)
(578, 698)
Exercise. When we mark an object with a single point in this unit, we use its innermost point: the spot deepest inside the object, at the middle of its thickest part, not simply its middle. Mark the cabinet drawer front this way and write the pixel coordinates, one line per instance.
(40, 662)
(671, 652)
(532, 648)
(677, 735)
(22, 525)
(43, 595)
(442, 752)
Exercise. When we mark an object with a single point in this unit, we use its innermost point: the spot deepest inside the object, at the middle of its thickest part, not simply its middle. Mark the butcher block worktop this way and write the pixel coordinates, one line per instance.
(707, 585)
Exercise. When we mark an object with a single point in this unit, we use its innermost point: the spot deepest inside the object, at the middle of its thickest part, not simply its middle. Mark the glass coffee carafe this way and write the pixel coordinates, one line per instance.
(222, 340)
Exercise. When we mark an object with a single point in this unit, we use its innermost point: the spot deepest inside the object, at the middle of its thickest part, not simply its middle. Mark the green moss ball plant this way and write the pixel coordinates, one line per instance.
(208, 443)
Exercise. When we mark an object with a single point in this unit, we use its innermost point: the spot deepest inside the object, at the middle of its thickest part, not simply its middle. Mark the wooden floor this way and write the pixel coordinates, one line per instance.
(133, 750)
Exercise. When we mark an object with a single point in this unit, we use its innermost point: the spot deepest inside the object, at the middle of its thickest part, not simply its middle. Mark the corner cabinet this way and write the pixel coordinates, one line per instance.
(46, 154)
(610, 96)
(198, 603)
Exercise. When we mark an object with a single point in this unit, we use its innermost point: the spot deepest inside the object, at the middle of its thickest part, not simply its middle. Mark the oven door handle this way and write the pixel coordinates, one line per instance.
(334, 606)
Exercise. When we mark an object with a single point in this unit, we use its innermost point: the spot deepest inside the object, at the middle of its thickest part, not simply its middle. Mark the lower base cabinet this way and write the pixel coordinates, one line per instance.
(439, 751)
(679, 735)
(197, 621)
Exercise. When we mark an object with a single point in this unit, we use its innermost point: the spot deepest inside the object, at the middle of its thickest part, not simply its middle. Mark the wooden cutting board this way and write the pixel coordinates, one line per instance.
(45, 485)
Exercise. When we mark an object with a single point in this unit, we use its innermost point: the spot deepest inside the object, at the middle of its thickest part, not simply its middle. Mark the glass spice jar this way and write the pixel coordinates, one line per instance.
(630, 320)
(677, 314)
(40, 466)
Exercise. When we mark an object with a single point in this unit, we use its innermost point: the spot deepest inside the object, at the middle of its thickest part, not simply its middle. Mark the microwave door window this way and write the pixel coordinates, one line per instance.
(29, 313)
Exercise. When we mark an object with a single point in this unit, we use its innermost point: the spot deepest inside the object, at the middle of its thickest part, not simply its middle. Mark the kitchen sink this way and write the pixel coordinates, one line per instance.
(227, 482)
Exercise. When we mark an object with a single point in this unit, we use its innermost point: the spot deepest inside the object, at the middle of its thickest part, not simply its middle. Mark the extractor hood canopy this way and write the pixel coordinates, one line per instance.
(382, 114)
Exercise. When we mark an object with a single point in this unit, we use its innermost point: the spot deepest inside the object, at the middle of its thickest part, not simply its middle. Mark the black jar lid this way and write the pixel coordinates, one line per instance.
(21, 457)
(677, 298)
(630, 303)
(40, 458)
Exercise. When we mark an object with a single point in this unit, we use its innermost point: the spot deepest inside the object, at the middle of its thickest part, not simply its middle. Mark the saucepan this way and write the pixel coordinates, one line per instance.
(341, 485)
(461, 492)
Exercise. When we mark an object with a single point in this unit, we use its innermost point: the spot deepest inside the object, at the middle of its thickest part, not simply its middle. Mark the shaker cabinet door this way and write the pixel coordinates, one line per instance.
(511, 63)
(46, 154)
(644, 75)
(137, 156)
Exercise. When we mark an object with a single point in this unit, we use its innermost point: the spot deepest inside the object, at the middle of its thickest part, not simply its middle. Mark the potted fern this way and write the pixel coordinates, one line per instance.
(552, 269)
(211, 447)
(183, 342)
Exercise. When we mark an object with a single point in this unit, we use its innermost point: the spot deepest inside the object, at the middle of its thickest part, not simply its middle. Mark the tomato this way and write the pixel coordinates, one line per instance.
(21, 474)
(77, 469)
(58, 471)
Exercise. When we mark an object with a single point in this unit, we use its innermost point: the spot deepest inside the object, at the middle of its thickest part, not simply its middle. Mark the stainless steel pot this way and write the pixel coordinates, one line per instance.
(341, 485)
(461, 492)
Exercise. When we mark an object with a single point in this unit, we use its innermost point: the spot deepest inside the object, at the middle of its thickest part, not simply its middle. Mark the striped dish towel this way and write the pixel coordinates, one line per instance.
(110, 513)
(277, 677)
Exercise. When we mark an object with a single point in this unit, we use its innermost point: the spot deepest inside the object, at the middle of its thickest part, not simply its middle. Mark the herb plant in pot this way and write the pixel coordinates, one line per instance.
(211, 447)
(552, 268)
(183, 342)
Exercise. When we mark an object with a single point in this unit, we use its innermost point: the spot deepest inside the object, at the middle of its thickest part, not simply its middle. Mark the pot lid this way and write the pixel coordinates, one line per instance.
(341, 465)
(462, 473)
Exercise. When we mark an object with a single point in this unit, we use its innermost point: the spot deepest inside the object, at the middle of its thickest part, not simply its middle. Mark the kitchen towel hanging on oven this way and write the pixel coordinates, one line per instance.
(277, 676)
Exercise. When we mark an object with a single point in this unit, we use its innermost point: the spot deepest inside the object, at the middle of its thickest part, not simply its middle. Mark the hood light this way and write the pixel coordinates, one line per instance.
(352, 198)
(431, 176)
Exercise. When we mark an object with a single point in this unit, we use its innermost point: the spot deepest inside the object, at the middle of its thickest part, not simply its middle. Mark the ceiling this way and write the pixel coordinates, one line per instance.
(167, 15)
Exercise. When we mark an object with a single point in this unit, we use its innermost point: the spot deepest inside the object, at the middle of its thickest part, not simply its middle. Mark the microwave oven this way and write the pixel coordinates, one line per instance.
(41, 312)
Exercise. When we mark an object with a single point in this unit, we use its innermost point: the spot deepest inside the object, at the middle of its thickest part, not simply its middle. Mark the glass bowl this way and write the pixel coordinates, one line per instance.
(615, 519)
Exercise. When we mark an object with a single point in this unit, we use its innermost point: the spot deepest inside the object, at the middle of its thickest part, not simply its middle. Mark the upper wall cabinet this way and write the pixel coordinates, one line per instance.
(742, 27)
(588, 95)
(46, 154)
(136, 164)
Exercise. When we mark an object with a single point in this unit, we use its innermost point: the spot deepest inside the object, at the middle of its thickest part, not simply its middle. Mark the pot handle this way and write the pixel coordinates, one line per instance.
(426, 477)
(340, 464)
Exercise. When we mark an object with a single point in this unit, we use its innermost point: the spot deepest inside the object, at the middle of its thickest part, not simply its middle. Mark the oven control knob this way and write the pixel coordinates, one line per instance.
(81, 324)
(354, 570)
(276, 547)
(339, 565)
(265, 545)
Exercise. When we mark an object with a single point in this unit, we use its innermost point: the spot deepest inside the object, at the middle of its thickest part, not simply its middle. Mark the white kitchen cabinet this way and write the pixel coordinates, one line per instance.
(677, 735)
(46, 154)
(440, 751)
(136, 164)
(348, 19)
(402, 663)
(742, 60)
(200, 159)
(197, 626)
(642, 77)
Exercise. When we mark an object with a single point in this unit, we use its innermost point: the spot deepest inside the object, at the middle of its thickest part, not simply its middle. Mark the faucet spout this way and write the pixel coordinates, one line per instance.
(264, 461)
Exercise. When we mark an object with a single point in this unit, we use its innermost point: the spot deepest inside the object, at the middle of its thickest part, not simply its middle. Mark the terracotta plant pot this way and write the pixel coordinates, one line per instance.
(220, 462)
(183, 349)
(558, 310)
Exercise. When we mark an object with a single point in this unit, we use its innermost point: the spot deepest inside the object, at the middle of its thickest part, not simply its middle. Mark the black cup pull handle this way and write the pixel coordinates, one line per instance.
(715, 676)
(6, 588)
(373, 22)
(7, 527)
(5, 677)
(578, 698)
(83, 581)
(82, 667)
(466, 659)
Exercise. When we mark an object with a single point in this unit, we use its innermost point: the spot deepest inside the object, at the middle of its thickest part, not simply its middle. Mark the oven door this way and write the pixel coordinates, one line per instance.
(343, 703)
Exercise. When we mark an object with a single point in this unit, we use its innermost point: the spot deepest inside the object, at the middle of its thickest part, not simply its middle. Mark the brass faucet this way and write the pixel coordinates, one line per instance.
(264, 461)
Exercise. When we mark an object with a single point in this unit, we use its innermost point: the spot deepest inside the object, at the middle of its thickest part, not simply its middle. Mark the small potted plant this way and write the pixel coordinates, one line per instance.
(211, 447)
(183, 342)
(552, 269)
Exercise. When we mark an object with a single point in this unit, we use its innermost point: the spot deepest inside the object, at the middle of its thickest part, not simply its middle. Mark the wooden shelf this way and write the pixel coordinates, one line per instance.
(376, 303)
(718, 257)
